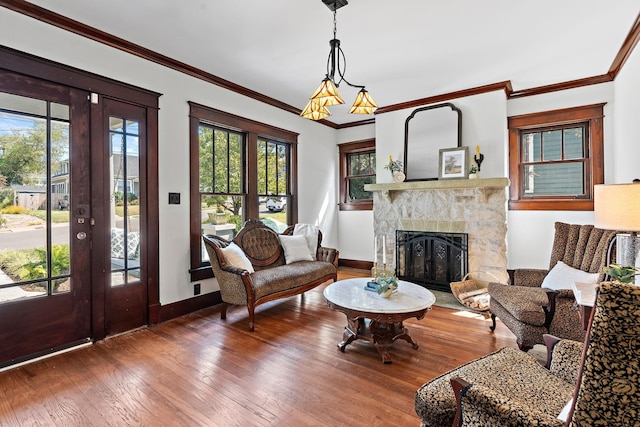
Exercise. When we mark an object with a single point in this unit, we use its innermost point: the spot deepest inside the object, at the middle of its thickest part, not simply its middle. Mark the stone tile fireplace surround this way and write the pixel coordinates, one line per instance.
(477, 207)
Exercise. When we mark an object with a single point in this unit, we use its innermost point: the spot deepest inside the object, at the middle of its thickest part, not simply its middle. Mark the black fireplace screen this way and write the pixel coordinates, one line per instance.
(431, 259)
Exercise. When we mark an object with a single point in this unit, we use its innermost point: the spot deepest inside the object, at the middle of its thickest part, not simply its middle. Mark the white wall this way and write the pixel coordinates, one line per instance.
(356, 227)
(626, 153)
(484, 123)
(316, 153)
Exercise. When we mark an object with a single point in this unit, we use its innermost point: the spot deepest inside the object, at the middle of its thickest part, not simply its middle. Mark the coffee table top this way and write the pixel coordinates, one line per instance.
(350, 294)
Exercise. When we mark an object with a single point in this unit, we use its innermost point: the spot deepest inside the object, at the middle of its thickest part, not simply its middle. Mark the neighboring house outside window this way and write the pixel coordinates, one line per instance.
(357, 168)
(555, 158)
(240, 169)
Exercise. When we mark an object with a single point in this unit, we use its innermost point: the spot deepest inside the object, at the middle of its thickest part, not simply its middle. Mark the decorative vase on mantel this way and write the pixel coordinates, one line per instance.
(398, 176)
(396, 169)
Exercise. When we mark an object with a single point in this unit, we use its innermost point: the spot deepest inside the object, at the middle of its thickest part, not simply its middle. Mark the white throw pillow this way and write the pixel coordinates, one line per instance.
(295, 248)
(234, 255)
(564, 414)
(310, 232)
(562, 276)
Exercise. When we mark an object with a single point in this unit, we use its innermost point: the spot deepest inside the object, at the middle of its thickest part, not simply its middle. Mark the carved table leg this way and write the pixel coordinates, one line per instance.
(350, 332)
(403, 333)
(383, 336)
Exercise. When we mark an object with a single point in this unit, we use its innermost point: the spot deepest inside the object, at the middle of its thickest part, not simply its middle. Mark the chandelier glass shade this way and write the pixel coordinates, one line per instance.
(364, 103)
(327, 93)
(315, 111)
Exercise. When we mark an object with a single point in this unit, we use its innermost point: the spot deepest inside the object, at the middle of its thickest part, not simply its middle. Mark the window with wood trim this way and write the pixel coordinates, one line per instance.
(555, 158)
(357, 168)
(240, 169)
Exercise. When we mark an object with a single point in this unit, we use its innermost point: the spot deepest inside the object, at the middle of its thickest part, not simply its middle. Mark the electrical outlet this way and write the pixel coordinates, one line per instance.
(196, 289)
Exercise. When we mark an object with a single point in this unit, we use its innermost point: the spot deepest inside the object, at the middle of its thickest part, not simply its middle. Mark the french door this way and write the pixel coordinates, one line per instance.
(121, 194)
(45, 224)
(78, 207)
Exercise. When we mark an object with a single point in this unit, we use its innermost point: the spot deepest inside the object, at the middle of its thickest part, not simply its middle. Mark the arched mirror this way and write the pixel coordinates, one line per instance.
(426, 131)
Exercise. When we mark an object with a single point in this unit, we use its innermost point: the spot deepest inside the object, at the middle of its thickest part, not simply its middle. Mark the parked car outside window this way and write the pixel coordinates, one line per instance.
(276, 204)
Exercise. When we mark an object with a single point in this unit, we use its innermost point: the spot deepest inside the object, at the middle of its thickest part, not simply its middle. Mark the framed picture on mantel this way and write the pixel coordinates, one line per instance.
(454, 163)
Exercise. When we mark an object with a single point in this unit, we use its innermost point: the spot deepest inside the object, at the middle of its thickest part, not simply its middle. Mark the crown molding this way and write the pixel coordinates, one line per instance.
(60, 21)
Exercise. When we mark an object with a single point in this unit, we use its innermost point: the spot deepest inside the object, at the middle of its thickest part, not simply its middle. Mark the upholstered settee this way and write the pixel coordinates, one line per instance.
(260, 265)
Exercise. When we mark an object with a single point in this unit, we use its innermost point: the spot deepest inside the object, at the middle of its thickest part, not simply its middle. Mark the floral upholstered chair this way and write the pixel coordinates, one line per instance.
(540, 301)
(509, 388)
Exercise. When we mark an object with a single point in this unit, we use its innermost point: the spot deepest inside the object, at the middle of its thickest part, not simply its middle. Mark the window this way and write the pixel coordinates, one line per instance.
(555, 158)
(357, 168)
(240, 169)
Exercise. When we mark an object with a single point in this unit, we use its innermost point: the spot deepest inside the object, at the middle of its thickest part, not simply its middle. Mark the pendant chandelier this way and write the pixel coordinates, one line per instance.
(327, 93)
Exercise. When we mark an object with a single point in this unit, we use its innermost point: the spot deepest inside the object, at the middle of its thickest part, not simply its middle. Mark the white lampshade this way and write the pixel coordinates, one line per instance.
(617, 207)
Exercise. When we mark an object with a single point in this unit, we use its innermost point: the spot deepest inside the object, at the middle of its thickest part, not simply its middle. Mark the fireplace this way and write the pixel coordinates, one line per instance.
(432, 259)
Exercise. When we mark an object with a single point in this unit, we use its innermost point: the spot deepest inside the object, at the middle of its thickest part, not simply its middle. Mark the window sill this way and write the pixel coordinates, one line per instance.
(201, 273)
(550, 205)
(366, 205)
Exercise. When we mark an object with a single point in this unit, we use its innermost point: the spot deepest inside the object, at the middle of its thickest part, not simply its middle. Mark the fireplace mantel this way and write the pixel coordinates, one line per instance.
(390, 190)
(444, 184)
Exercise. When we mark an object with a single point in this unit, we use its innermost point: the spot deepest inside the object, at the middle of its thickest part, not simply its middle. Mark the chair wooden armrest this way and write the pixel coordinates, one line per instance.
(550, 309)
(550, 341)
(459, 386)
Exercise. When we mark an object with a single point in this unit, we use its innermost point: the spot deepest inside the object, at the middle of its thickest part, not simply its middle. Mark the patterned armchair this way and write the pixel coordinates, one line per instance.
(529, 310)
(509, 388)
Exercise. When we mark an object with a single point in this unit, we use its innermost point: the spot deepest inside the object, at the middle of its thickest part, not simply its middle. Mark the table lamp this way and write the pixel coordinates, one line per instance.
(617, 207)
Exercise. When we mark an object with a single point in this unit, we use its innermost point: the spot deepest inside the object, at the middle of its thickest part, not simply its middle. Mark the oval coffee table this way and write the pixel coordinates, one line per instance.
(376, 319)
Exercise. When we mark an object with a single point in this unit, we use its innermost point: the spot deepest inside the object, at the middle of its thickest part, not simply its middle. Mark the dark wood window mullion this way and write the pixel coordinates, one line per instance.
(49, 238)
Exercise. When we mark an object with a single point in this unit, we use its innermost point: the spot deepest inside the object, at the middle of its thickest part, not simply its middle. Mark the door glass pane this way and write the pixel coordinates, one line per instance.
(125, 208)
(59, 111)
(35, 188)
(22, 104)
(60, 186)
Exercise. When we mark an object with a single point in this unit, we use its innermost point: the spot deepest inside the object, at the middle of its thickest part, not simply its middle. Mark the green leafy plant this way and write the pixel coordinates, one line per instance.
(394, 165)
(473, 169)
(59, 262)
(621, 273)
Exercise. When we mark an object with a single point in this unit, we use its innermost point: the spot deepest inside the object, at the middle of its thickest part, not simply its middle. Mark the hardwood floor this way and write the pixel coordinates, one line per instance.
(198, 370)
